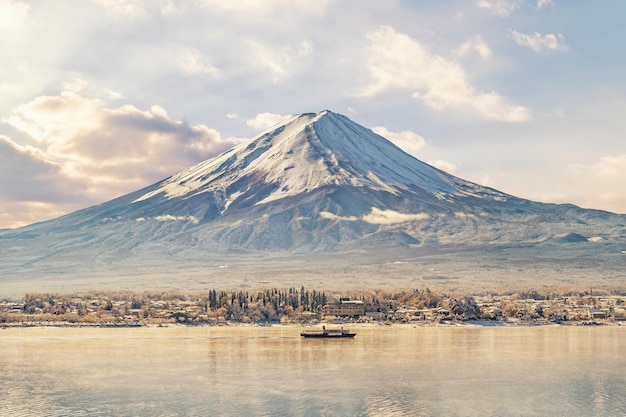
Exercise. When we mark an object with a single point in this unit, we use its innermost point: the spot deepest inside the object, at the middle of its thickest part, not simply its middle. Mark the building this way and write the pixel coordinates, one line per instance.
(619, 314)
(597, 314)
(345, 308)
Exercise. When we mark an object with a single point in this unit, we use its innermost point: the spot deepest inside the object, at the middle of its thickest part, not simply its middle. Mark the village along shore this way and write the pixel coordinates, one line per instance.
(299, 306)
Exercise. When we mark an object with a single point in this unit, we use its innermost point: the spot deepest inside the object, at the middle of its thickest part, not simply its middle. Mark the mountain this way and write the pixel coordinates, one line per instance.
(315, 183)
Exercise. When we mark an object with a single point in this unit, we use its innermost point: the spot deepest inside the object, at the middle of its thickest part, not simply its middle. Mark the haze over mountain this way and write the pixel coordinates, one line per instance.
(315, 183)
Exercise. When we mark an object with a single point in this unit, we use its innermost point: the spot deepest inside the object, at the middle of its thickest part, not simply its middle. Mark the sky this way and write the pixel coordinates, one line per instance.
(99, 98)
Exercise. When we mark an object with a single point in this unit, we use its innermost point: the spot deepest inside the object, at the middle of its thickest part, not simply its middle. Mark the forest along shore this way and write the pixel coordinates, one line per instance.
(421, 307)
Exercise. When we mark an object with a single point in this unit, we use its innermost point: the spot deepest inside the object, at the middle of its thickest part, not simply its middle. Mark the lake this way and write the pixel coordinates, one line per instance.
(272, 371)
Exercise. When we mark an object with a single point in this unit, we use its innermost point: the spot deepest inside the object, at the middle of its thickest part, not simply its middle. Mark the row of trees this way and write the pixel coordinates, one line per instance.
(276, 298)
(158, 307)
(289, 305)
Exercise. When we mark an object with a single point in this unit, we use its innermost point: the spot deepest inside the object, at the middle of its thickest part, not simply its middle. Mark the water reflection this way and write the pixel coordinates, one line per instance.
(273, 372)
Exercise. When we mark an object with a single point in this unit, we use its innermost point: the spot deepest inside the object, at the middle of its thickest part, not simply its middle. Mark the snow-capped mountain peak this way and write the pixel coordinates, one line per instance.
(306, 152)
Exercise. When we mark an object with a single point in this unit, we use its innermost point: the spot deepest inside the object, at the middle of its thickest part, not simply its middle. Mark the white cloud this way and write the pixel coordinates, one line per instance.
(331, 216)
(407, 140)
(53, 120)
(397, 61)
(485, 181)
(192, 63)
(169, 218)
(268, 58)
(70, 126)
(462, 215)
(264, 121)
(169, 8)
(541, 4)
(446, 166)
(77, 85)
(378, 216)
(611, 168)
(147, 142)
(500, 8)
(595, 183)
(34, 187)
(475, 45)
(12, 13)
(280, 62)
(96, 153)
(538, 42)
(27, 166)
(114, 95)
(305, 48)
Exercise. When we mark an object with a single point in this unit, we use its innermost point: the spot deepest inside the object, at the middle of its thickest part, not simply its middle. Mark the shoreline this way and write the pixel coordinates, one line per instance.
(302, 307)
(356, 325)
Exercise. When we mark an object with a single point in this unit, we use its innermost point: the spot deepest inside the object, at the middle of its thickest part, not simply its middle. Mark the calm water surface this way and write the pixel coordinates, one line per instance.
(442, 371)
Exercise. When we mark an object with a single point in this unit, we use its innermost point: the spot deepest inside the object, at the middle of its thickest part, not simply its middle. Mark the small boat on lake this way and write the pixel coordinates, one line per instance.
(329, 333)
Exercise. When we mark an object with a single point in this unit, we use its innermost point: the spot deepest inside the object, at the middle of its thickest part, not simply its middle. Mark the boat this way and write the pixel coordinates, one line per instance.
(327, 333)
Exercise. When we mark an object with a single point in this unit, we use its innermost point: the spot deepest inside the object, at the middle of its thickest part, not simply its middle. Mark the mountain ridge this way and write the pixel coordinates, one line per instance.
(316, 182)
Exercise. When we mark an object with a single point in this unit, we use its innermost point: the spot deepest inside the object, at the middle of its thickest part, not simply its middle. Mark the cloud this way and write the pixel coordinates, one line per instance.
(407, 140)
(542, 4)
(331, 216)
(85, 152)
(378, 216)
(264, 121)
(34, 187)
(280, 62)
(32, 174)
(114, 95)
(446, 166)
(92, 137)
(12, 13)
(597, 180)
(500, 8)
(132, 137)
(475, 45)
(169, 218)
(305, 48)
(192, 63)
(52, 120)
(538, 42)
(397, 61)
(270, 59)
(612, 168)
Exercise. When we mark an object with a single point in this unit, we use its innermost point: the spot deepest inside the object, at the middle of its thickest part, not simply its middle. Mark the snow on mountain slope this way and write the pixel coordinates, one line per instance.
(307, 152)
